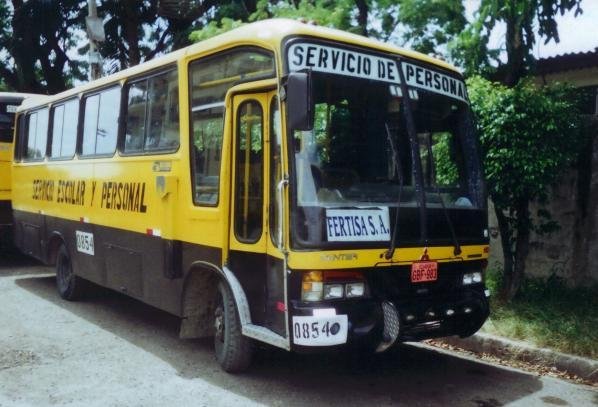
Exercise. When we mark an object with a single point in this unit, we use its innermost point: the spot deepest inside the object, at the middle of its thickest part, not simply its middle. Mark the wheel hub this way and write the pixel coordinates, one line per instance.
(219, 323)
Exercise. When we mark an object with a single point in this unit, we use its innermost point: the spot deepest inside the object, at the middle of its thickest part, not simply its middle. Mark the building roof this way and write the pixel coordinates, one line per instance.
(567, 62)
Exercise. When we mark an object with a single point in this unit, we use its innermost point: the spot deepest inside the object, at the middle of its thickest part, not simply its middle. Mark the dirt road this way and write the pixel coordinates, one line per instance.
(111, 350)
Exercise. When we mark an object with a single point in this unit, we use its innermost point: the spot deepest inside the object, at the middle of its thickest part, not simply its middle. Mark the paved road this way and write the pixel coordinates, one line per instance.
(113, 351)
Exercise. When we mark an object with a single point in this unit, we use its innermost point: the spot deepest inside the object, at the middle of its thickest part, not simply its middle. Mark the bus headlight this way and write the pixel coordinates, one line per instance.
(472, 278)
(332, 291)
(329, 285)
(312, 286)
(355, 290)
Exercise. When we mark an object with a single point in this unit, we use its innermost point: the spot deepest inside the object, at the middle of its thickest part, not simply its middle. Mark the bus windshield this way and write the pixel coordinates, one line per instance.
(358, 151)
(6, 123)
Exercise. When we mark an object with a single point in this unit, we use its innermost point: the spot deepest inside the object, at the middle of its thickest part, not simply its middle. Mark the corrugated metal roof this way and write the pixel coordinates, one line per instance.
(567, 62)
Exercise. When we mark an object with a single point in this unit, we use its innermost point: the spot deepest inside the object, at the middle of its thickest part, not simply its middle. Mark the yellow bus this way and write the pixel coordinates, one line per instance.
(281, 183)
(9, 101)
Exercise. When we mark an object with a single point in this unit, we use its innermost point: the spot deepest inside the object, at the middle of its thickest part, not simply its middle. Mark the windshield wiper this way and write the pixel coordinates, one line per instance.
(396, 162)
(416, 159)
(457, 249)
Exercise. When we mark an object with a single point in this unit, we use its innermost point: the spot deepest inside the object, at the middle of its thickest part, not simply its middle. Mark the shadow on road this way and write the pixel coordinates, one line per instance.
(406, 375)
(14, 263)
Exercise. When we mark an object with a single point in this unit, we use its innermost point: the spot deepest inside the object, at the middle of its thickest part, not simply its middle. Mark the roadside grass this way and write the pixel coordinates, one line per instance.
(548, 314)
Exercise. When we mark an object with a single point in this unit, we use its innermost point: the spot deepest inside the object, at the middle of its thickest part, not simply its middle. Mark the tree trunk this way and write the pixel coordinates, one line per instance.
(513, 281)
(515, 51)
(362, 16)
(507, 249)
(131, 27)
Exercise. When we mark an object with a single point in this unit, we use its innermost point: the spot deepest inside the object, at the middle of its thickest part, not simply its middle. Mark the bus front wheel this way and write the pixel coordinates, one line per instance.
(233, 350)
(70, 287)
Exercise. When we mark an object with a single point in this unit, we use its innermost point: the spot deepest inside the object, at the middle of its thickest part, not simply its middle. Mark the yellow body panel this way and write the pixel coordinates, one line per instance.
(347, 259)
(5, 170)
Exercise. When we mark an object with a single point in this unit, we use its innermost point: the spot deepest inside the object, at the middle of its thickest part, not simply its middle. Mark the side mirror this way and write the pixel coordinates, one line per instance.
(300, 111)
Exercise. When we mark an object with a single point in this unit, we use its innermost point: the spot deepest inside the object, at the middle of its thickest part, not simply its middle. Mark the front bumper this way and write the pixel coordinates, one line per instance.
(378, 323)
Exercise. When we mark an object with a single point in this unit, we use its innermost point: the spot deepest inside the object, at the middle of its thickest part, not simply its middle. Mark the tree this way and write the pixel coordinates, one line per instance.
(330, 13)
(529, 136)
(36, 36)
(470, 49)
(42, 39)
(139, 30)
(426, 26)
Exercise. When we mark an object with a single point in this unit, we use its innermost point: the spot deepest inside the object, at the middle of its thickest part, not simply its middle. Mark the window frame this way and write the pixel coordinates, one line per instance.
(208, 58)
(124, 108)
(25, 157)
(81, 124)
(63, 102)
(237, 151)
(273, 215)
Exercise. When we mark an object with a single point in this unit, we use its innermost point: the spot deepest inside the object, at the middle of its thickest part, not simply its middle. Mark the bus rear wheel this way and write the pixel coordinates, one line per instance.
(70, 287)
(233, 350)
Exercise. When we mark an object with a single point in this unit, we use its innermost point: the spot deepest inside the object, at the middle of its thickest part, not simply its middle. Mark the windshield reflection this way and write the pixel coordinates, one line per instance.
(347, 159)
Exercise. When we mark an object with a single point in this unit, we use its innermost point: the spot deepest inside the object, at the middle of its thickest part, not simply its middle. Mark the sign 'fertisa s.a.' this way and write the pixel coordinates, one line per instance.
(340, 61)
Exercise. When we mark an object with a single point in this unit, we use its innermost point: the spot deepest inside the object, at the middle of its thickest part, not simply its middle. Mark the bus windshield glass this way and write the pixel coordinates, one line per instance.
(358, 151)
(7, 116)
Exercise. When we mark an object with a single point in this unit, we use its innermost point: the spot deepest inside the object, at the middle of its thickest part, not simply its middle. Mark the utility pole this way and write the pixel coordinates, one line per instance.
(95, 32)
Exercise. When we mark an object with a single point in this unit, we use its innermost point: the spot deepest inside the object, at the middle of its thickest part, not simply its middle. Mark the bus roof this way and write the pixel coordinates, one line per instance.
(274, 31)
(16, 95)
(267, 33)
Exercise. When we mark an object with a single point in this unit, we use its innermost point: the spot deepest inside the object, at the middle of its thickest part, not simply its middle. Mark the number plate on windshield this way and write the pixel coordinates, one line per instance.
(422, 271)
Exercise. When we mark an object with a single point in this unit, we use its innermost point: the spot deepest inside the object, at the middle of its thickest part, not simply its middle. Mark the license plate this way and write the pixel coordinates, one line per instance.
(84, 242)
(422, 271)
(320, 331)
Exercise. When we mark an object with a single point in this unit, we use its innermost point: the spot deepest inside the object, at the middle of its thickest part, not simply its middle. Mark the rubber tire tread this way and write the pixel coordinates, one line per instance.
(77, 287)
(236, 351)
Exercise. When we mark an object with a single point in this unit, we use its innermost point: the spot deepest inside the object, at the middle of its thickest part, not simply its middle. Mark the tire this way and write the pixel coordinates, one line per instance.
(70, 287)
(233, 350)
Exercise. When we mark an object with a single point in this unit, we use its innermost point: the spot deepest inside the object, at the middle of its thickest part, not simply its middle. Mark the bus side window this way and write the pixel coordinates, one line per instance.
(37, 133)
(209, 79)
(208, 126)
(163, 115)
(100, 129)
(64, 129)
(249, 180)
(135, 123)
(152, 118)
(275, 167)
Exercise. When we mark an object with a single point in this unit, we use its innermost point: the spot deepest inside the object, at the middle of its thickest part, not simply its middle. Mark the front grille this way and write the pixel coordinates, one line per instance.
(394, 283)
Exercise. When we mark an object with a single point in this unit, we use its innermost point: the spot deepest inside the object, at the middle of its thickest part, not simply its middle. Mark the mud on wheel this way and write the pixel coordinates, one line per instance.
(233, 350)
(70, 287)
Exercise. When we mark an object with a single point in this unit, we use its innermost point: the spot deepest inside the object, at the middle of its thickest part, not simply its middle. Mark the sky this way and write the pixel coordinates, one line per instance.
(577, 34)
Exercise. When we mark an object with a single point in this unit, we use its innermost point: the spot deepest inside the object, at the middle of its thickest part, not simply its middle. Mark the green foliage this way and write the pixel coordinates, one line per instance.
(328, 13)
(35, 37)
(424, 25)
(529, 135)
(471, 51)
(214, 28)
(447, 173)
(547, 313)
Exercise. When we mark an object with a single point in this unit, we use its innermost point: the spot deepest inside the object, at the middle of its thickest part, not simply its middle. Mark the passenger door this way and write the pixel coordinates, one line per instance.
(253, 257)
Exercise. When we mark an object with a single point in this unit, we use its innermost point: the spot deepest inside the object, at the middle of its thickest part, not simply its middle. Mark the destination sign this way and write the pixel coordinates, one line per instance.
(340, 61)
(433, 81)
